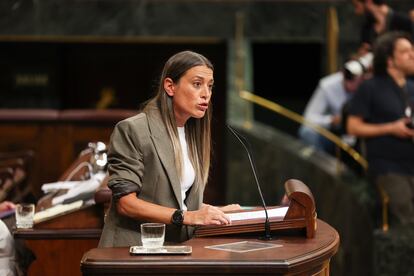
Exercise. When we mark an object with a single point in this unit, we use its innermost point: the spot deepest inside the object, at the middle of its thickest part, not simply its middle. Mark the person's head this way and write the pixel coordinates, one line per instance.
(357, 70)
(351, 84)
(184, 94)
(187, 82)
(393, 53)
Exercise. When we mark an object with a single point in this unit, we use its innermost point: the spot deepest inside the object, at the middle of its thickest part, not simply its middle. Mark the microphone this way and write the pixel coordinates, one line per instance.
(243, 141)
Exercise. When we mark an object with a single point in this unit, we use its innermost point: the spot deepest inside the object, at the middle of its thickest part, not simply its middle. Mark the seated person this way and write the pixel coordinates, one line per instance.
(325, 106)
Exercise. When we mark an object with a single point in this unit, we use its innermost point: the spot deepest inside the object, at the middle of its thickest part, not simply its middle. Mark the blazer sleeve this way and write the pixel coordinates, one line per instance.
(125, 159)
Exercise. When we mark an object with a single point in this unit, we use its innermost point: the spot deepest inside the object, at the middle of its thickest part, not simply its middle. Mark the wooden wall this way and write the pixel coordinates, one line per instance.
(56, 137)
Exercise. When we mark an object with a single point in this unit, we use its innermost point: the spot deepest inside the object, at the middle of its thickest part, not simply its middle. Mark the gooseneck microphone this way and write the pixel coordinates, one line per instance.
(243, 141)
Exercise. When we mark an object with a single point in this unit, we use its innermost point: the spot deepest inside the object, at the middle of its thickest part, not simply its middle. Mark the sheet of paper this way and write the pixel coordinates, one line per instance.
(56, 210)
(275, 212)
(48, 187)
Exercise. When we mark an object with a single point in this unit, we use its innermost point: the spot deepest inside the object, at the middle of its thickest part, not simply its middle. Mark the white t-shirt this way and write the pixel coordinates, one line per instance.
(188, 176)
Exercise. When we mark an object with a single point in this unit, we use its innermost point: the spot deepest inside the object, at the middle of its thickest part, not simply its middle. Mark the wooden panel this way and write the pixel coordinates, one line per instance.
(18, 133)
(56, 139)
(89, 217)
(27, 136)
(58, 257)
(59, 243)
(74, 138)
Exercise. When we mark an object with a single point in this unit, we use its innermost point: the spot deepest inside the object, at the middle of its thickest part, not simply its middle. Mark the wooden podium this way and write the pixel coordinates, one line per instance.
(304, 253)
(300, 215)
(297, 255)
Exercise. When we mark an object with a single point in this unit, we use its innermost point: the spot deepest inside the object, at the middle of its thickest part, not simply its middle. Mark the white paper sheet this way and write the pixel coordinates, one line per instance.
(275, 212)
(57, 209)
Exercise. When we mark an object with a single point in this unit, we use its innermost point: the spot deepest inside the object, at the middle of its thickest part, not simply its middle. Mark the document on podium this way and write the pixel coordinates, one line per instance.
(299, 216)
(245, 221)
(273, 212)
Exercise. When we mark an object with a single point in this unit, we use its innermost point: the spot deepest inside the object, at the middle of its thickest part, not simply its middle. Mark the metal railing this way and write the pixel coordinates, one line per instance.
(248, 96)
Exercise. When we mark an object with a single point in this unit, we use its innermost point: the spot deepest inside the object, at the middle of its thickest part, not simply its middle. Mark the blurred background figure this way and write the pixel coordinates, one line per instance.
(325, 106)
(381, 112)
(380, 18)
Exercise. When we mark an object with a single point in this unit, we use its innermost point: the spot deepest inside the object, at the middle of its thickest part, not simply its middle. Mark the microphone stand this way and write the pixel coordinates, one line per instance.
(240, 138)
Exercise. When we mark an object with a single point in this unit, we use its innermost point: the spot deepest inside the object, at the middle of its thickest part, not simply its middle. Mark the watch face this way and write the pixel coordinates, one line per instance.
(178, 217)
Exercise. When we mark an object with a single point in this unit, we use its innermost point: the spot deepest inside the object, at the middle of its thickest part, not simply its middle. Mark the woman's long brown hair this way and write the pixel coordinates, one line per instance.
(197, 131)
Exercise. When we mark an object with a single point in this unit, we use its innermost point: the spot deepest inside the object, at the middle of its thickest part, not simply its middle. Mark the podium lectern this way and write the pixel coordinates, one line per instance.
(295, 255)
(300, 215)
(288, 254)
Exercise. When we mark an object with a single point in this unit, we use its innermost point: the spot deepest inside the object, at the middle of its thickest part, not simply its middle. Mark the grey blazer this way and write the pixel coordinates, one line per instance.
(141, 160)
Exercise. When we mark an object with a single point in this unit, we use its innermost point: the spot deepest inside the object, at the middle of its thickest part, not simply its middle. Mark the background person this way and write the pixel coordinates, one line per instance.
(325, 106)
(381, 112)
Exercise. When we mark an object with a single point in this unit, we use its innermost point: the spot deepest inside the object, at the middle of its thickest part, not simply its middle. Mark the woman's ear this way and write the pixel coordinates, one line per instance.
(169, 86)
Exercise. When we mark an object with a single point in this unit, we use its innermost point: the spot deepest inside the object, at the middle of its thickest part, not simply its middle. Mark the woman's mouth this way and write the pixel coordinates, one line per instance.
(203, 106)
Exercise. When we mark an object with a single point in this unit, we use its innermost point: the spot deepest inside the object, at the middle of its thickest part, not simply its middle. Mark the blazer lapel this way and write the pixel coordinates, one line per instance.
(164, 149)
(193, 199)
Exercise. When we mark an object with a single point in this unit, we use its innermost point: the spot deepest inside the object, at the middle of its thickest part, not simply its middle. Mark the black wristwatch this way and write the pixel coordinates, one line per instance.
(178, 217)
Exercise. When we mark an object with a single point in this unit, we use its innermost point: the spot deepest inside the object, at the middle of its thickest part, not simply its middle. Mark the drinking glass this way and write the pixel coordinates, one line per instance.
(24, 215)
(152, 235)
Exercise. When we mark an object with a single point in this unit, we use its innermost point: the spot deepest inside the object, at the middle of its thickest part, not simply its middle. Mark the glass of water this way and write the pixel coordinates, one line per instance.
(152, 235)
(24, 215)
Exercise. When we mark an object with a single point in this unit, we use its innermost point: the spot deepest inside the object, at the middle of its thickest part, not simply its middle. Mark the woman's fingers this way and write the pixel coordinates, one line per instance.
(211, 215)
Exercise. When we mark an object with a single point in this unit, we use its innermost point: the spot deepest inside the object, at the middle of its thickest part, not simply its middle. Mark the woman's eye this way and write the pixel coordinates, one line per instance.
(197, 84)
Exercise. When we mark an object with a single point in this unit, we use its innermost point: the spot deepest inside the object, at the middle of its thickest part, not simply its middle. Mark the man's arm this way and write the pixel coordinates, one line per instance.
(358, 127)
(316, 107)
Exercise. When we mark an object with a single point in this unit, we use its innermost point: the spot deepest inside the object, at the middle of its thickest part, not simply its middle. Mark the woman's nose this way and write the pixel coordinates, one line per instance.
(206, 92)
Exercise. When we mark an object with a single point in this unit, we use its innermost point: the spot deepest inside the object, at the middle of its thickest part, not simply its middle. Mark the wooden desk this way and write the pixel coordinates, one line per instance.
(58, 251)
(59, 243)
(297, 256)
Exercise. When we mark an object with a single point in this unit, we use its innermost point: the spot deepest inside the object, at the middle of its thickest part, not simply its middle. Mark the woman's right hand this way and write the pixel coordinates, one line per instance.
(206, 215)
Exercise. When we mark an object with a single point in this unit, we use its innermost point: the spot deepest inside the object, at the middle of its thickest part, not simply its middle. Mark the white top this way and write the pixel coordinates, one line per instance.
(188, 175)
